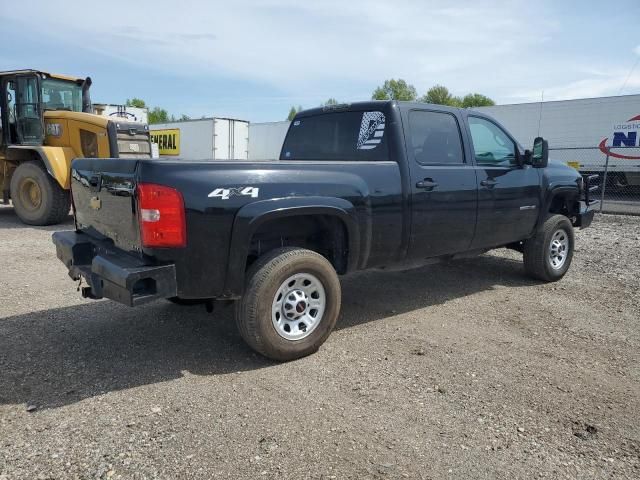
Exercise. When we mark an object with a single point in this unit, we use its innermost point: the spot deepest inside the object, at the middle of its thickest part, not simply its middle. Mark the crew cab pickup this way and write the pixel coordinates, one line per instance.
(357, 186)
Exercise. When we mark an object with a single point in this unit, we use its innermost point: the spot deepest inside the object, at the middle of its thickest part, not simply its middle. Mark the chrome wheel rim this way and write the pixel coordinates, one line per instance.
(298, 306)
(558, 249)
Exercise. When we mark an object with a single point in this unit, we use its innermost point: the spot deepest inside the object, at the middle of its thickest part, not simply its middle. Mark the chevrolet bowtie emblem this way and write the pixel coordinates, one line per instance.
(95, 203)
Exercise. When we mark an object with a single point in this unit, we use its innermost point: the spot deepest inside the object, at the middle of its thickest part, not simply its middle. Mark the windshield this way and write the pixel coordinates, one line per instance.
(61, 95)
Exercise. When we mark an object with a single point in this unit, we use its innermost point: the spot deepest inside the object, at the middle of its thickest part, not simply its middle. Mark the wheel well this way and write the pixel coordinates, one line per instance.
(13, 160)
(564, 204)
(19, 155)
(16, 157)
(324, 234)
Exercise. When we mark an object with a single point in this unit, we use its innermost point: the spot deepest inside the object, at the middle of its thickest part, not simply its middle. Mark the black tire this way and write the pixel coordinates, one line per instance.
(49, 206)
(537, 250)
(254, 311)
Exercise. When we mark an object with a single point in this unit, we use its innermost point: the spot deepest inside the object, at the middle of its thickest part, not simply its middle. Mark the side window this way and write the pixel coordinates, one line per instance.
(435, 137)
(351, 135)
(10, 92)
(491, 145)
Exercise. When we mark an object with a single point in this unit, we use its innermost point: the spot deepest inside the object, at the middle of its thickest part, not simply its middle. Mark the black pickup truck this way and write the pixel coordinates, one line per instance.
(358, 186)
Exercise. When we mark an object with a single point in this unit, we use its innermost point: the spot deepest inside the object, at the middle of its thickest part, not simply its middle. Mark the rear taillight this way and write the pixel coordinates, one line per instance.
(161, 216)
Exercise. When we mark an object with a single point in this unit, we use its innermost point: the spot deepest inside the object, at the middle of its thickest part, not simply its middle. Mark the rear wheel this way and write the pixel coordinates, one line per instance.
(291, 304)
(548, 255)
(37, 198)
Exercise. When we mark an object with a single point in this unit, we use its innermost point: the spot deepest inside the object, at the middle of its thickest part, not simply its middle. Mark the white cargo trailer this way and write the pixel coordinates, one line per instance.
(581, 132)
(205, 139)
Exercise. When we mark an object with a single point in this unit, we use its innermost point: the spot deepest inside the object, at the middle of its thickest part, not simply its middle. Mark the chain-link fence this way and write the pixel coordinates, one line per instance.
(618, 169)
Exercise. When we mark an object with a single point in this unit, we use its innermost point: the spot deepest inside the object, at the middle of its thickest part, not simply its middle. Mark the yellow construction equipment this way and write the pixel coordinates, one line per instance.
(46, 121)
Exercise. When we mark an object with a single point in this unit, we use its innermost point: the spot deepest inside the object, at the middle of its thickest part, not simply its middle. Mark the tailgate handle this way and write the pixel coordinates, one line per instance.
(95, 183)
(120, 191)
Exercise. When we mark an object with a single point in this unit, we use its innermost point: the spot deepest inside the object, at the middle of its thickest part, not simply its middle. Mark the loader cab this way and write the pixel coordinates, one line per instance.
(21, 110)
(25, 96)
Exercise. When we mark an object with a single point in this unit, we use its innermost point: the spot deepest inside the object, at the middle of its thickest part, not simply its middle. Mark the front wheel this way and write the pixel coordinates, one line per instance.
(291, 304)
(37, 198)
(548, 255)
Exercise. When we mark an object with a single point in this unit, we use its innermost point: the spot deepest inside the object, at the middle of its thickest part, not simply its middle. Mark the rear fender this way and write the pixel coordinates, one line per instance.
(250, 217)
(56, 160)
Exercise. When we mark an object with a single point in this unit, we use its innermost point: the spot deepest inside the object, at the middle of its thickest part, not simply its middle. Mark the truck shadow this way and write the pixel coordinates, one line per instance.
(61, 356)
(9, 219)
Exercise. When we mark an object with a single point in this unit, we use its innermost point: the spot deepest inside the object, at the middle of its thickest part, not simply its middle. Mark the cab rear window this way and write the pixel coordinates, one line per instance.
(338, 136)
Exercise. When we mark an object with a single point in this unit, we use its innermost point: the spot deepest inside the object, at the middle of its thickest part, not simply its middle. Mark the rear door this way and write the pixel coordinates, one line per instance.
(508, 193)
(443, 184)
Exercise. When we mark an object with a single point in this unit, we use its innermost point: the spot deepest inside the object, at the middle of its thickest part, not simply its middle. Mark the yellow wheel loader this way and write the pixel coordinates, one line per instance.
(46, 121)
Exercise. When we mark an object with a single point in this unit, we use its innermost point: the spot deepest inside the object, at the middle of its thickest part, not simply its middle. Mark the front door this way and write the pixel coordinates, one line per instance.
(508, 192)
(443, 185)
(27, 110)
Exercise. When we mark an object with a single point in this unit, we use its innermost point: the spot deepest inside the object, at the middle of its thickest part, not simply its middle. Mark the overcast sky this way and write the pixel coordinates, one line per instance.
(254, 59)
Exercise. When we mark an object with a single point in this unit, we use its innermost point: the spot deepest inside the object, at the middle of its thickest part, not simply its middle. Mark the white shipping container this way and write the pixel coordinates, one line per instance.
(588, 127)
(204, 139)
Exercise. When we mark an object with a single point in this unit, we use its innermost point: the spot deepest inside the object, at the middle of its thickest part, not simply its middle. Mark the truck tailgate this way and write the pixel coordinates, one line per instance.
(103, 194)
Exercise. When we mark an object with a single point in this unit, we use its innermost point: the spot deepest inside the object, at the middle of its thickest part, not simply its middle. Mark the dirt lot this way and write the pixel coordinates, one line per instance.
(465, 370)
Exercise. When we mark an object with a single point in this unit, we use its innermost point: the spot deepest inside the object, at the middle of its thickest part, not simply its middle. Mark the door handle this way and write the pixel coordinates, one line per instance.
(427, 184)
(489, 183)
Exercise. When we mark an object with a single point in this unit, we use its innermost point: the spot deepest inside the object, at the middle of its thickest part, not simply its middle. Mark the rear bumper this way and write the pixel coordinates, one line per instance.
(112, 273)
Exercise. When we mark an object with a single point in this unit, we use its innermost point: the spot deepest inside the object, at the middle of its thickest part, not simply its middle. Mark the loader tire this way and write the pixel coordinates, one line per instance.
(37, 198)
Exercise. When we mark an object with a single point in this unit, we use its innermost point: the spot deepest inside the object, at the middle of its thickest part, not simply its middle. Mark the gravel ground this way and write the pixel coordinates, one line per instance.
(463, 370)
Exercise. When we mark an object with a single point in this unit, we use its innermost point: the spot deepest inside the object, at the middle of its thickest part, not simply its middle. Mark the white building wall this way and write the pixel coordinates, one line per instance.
(266, 139)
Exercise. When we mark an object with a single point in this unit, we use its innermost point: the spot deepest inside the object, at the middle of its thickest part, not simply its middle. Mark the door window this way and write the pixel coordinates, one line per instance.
(491, 145)
(10, 92)
(27, 108)
(435, 138)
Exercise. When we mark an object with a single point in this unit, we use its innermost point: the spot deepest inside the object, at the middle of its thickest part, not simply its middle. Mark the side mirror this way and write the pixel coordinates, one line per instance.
(540, 153)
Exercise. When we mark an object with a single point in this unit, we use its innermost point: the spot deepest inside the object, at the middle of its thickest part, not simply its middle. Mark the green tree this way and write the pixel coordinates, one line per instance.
(158, 115)
(136, 102)
(440, 95)
(476, 100)
(395, 90)
(331, 101)
(293, 112)
(184, 118)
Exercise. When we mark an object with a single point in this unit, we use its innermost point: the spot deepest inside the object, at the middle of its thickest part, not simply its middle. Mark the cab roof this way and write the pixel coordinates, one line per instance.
(374, 105)
(47, 74)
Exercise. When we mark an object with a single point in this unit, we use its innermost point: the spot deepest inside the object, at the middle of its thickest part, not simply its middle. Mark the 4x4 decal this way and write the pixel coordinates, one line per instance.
(226, 193)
